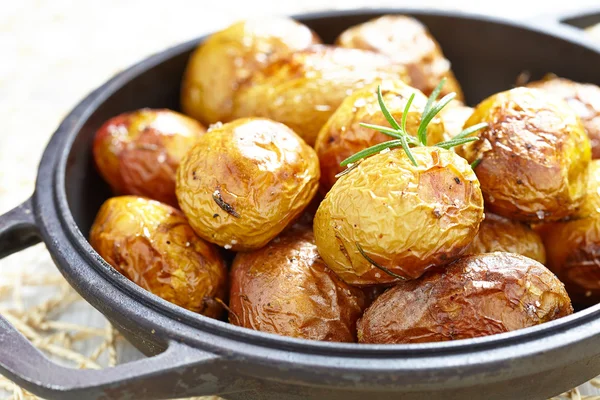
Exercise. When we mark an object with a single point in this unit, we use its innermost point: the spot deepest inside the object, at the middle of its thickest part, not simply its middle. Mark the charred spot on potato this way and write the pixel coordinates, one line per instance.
(224, 205)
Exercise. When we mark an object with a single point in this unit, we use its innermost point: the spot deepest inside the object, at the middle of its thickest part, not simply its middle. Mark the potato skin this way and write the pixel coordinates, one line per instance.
(477, 295)
(407, 219)
(260, 168)
(305, 88)
(535, 155)
(139, 152)
(227, 58)
(497, 233)
(408, 42)
(454, 118)
(286, 288)
(583, 98)
(573, 247)
(342, 136)
(153, 245)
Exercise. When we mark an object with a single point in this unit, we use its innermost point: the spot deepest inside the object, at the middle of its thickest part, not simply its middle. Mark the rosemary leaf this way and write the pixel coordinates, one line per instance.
(376, 265)
(470, 130)
(385, 111)
(405, 113)
(372, 150)
(455, 142)
(407, 151)
(433, 96)
(475, 163)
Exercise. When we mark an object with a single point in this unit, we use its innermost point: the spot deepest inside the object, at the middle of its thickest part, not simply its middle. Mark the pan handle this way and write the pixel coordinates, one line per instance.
(18, 229)
(177, 372)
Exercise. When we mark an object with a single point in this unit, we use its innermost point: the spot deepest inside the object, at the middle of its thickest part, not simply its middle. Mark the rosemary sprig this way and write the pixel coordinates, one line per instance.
(403, 138)
(376, 265)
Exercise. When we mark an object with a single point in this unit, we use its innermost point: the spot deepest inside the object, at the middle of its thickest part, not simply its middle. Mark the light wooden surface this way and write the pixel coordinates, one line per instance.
(54, 52)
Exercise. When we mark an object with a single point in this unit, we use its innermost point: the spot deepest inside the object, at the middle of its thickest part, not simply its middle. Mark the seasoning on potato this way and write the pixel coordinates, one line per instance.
(534, 155)
(399, 213)
(227, 58)
(153, 245)
(475, 296)
(286, 288)
(139, 152)
(497, 233)
(305, 88)
(573, 247)
(408, 42)
(343, 135)
(245, 181)
(583, 98)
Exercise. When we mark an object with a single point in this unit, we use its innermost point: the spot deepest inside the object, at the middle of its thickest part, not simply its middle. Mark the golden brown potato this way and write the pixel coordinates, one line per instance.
(304, 89)
(139, 152)
(406, 219)
(583, 98)
(497, 233)
(227, 58)
(534, 155)
(286, 288)
(454, 118)
(245, 181)
(477, 295)
(342, 135)
(153, 245)
(573, 247)
(408, 42)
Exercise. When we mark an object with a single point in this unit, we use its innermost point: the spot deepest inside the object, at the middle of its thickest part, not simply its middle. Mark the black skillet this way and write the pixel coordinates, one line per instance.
(194, 355)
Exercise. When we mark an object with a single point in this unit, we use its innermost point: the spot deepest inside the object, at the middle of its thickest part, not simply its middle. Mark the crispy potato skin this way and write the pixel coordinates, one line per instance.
(342, 135)
(535, 155)
(286, 288)
(227, 58)
(477, 295)
(153, 245)
(573, 247)
(305, 88)
(260, 168)
(407, 219)
(454, 118)
(584, 99)
(139, 152)
(497, 233)
(408, 42)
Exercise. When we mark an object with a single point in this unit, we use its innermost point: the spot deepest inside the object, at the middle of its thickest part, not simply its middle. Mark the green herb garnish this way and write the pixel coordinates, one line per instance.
(403, 139)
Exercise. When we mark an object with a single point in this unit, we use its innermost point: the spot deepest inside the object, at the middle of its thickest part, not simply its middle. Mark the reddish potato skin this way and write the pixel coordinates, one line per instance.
(475, 296)
(497, 233)
(139, 152)
(408, 42)
(153, 245)
(583, 98)
(286, 288)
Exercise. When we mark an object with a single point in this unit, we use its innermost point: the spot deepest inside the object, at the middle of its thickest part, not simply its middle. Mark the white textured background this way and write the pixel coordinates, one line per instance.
(54, 52)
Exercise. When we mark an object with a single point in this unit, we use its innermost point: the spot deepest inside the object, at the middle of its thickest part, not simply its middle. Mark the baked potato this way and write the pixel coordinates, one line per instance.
(534, 155)
(305, 88)
(477, 295)
(139, 152)
(228, 58)
(286, 288)
(408, 42)
(573, 247)
(388, 220)
(245, 181)
(153, 245)
(497, 233)
(454, 118)
(343, 136)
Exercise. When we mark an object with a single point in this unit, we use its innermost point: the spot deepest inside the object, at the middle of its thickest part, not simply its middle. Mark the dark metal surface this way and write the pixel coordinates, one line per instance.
(534, 363)
(17, 229)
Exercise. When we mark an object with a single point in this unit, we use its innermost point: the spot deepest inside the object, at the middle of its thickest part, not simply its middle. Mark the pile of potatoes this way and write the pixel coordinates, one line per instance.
(495, 235)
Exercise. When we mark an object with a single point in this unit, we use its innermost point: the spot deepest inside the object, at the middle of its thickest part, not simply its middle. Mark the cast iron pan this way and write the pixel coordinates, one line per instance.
(195, 355)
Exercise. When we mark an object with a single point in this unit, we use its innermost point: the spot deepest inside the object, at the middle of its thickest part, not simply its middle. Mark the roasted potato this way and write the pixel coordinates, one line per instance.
(286, 288)
(139, 152)
(245, 181)
(227, 58)
(477, 295)
(454, 118)
(583, 98)
(343, 136)
(408, 42)
(405, 218)
(497, 233)
(305, 88)
(153, 245)
(534, 155)
(573, 247)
